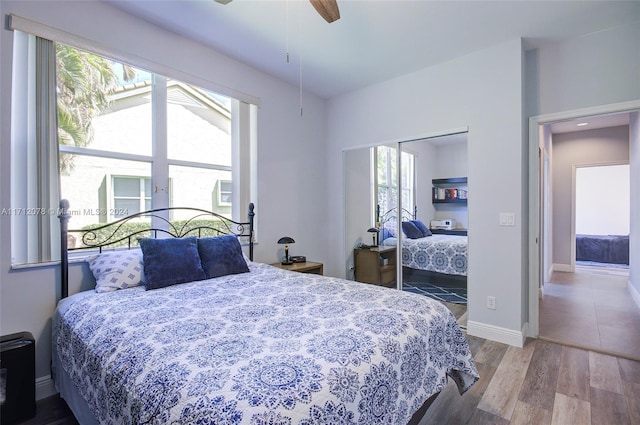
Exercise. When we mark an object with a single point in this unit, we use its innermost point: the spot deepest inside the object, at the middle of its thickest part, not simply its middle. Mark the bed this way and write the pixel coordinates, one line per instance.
(445, 254)
(611, 249)
(438, 254)
(262, 346)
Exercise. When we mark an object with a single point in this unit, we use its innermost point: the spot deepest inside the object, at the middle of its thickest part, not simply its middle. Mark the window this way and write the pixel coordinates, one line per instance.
(128, 140)
(224, 192)
(131, 195)
(387, 180)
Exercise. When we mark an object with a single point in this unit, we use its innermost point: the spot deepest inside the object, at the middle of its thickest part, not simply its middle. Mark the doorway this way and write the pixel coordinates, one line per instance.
(556, 284)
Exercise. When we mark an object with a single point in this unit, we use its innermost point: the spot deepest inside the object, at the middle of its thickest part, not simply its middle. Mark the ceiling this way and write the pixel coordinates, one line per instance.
(374, 40)
(590, 123)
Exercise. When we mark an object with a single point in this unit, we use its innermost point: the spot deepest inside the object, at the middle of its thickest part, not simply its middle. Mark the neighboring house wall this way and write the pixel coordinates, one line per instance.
(580, 148)
(196, 133)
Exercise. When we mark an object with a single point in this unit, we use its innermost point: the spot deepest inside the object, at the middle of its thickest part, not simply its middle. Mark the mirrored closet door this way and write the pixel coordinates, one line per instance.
(411, 195)
(435, 218)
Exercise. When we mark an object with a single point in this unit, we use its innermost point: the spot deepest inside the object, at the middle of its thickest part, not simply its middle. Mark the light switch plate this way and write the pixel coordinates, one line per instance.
(507, 219)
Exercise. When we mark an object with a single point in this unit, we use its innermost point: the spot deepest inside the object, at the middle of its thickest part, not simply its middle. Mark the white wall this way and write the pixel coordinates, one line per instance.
(483, 91)
(425, 164)
(359, 213)
(602, 200)
(634, 231)
(596, 69)
(291, 153)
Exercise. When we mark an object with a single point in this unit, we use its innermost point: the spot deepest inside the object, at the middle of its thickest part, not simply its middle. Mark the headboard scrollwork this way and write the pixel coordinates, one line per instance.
(124, 233)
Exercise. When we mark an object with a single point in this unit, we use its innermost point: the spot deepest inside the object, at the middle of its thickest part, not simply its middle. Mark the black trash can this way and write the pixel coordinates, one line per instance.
(17, 377)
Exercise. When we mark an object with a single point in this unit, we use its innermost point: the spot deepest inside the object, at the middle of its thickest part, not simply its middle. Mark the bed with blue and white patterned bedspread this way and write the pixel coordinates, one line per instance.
(437, 253)
(265, 347)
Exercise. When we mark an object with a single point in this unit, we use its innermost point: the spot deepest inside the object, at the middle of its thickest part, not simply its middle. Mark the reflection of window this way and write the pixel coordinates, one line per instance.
(131, 195)
(224, 193)
(387, 180)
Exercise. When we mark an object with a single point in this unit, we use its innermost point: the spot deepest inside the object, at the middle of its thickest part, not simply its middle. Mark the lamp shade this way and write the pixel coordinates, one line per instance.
(286, 240)
(372, 230)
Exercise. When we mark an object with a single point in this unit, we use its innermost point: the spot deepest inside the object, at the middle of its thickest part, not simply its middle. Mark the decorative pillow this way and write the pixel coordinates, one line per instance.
(221, 256)
(392, 228)
(115, 270)
(170, 261)
(384, 234)
(421, 226)
(411, 230)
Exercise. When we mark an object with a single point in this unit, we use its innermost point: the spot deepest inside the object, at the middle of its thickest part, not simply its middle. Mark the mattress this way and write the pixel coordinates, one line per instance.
(437, 253)
(265, 347)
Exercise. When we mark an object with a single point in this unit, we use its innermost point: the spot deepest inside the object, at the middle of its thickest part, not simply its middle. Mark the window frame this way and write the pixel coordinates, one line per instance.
(243, 129)
(392, 178)
(141, 198)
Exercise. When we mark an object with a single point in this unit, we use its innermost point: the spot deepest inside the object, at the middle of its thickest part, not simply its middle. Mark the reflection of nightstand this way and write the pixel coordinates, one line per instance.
(305, 267)
(375, 265)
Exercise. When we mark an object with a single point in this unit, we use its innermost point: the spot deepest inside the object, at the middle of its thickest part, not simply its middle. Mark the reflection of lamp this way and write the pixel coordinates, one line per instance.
(286, 240)
(374, 232)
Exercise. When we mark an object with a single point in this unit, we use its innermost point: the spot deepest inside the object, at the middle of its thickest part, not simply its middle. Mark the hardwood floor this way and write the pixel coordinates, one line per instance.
(543, 383)
(591, 309)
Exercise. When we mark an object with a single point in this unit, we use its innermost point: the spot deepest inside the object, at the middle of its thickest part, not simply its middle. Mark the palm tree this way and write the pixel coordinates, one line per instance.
(84, 84)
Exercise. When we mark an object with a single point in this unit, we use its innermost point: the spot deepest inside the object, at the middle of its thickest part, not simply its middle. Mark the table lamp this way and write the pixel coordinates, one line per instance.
(286, 240)
(374, 231)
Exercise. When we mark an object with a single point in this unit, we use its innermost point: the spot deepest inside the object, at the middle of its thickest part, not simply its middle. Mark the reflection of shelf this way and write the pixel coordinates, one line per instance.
(458, 232)
(455, 184)
(449, 201)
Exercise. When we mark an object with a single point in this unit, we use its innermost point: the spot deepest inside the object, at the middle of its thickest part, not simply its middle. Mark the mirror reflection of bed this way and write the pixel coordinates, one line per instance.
(371, 195)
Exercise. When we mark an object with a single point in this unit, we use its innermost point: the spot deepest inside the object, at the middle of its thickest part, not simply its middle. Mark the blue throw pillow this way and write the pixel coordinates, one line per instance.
(411, 230)
(170, 261)
(384, 234)
(421, 226)
(221, 256)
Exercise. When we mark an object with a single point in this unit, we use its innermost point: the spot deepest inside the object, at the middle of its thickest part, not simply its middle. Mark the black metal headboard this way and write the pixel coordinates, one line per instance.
(392, 214)
(126, 231)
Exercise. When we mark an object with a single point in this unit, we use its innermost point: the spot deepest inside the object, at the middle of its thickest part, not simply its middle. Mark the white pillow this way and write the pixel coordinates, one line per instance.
(115, 270)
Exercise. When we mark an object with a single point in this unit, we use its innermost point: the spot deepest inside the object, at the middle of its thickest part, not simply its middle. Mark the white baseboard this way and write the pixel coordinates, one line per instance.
(562, 268)
(498, 334)
(45, 387)
(634, 293)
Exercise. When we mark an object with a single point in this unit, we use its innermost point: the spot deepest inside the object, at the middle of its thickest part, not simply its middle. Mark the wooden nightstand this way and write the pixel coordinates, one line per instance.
(375, 265)
(306, 267)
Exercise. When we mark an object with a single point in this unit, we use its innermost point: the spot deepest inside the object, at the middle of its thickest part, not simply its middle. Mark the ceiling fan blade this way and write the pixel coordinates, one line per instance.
(328, 9)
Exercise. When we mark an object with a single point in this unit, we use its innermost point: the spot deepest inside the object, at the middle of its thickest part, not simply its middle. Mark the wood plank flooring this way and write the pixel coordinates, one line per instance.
(543, 383)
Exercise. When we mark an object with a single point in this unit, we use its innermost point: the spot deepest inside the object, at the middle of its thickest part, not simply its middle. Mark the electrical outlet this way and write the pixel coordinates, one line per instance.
(491, 303)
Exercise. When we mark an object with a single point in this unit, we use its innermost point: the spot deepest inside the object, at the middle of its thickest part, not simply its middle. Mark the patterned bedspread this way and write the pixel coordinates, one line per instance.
(437, 253)
(265, 347)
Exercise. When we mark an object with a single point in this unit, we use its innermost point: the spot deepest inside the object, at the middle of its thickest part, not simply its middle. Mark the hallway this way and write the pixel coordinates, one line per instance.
(592, 309)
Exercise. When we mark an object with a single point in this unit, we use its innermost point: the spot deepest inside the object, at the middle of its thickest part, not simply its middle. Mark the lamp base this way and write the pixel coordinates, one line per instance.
(286, 263)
